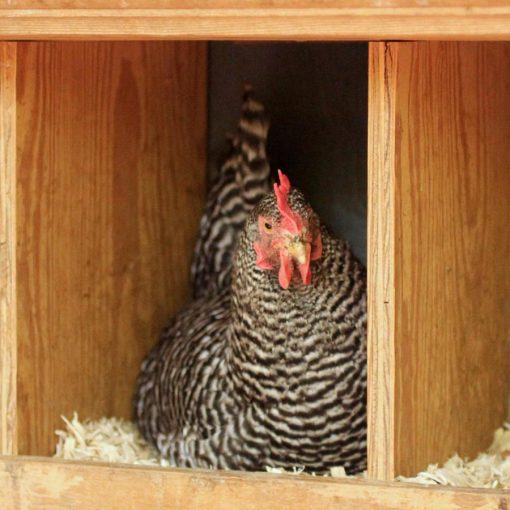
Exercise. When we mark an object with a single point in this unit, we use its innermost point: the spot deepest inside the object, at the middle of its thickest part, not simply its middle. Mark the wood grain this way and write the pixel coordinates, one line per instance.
(383, 60)
(111, 158)
(453, 149)
(253, 4)
(452, 244)
(257, 20)
(50, 484)
(8, 339)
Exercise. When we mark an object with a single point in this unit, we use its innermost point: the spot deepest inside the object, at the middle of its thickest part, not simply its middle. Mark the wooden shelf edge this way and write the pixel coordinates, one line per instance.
(350, 23)
(49, 483)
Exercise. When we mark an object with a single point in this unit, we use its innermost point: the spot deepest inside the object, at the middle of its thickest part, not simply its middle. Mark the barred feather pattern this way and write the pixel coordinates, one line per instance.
(262, 376)
(242, 181)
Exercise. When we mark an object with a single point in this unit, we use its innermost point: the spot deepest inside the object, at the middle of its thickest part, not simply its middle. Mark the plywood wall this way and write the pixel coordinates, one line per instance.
(111, 158)
(446, 116)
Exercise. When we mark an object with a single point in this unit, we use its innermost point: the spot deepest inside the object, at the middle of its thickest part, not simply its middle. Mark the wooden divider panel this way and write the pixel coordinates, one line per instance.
(450, 365)
(8, 248)
(381, 254)
(111, 158)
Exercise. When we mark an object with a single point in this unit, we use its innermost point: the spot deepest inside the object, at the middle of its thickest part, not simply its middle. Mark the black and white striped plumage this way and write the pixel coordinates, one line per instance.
(252, 374)
(242, 181)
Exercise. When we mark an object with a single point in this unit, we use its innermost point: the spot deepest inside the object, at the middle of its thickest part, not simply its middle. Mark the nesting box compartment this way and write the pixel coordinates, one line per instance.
(102, 184)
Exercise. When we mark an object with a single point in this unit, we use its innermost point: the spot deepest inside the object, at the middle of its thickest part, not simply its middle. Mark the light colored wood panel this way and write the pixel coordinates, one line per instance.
(486, 22)
(111, 158)
(452, 280)
(47, 484)
(356, 5)
(383, 60)
(8, 248)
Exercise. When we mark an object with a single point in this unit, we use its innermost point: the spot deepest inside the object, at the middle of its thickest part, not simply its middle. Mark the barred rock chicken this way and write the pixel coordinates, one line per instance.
(267, 365)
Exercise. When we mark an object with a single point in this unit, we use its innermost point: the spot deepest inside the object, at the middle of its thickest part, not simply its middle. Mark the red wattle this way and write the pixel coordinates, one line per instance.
(261, 260)
(317, 248)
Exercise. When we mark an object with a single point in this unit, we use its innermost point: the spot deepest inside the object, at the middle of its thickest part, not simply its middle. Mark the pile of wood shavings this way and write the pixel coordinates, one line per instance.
(116, 440)
(490, 469)
(105, 440)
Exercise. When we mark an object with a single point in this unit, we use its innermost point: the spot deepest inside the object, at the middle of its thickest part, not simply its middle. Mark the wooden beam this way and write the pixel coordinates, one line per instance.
(381, 254)
(258, 20)
(51, 484)
(8, 339)
(453, 6)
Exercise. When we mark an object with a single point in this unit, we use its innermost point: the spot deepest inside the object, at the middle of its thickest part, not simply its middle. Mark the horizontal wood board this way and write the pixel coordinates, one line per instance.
(255, 19)
(111, 159)
(357, 5)
(51, 484)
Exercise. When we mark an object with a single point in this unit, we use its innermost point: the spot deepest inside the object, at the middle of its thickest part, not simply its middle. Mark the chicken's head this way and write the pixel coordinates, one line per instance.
(288, 234)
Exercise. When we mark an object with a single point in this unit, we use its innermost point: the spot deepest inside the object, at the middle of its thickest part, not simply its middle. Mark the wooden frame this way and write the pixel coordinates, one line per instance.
(404, 134)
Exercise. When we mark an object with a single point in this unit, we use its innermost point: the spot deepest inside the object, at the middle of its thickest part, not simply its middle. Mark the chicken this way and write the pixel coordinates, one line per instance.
(267, 367)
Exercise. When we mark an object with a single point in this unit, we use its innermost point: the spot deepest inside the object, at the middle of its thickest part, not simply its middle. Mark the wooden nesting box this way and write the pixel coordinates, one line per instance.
(102, 158)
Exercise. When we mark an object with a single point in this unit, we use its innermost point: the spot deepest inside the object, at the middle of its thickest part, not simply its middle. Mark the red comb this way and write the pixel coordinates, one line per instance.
(291, 221)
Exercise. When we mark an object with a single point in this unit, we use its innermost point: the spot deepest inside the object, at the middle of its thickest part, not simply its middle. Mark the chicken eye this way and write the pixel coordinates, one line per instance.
(268, 227)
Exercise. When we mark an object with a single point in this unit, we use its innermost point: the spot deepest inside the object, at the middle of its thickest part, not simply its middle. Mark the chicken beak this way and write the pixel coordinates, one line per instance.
(300, 252)
(296, 253)
(297, 250)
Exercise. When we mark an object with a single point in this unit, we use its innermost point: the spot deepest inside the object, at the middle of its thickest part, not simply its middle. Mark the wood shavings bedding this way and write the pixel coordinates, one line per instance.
(116, 440)
(490, 469)
(105, 440)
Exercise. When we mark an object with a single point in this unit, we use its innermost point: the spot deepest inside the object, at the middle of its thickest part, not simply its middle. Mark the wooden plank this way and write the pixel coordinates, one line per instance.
(417, 5)
(383, 60)
(7, 248)
(260, 20)
(110, 188)
(452, 243)
(50, 484)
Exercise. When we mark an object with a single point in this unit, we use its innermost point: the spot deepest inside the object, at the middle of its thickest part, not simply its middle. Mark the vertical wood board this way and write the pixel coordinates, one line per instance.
(383, 60)
(8, 340)
(111, 158)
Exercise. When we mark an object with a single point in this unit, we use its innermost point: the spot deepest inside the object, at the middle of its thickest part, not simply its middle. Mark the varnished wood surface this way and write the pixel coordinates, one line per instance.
(383, 60)
(451, 362)
(8, 248)
(49, 484)
(418, 5)
(111, 158)
(453, 279)
(256, 19)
